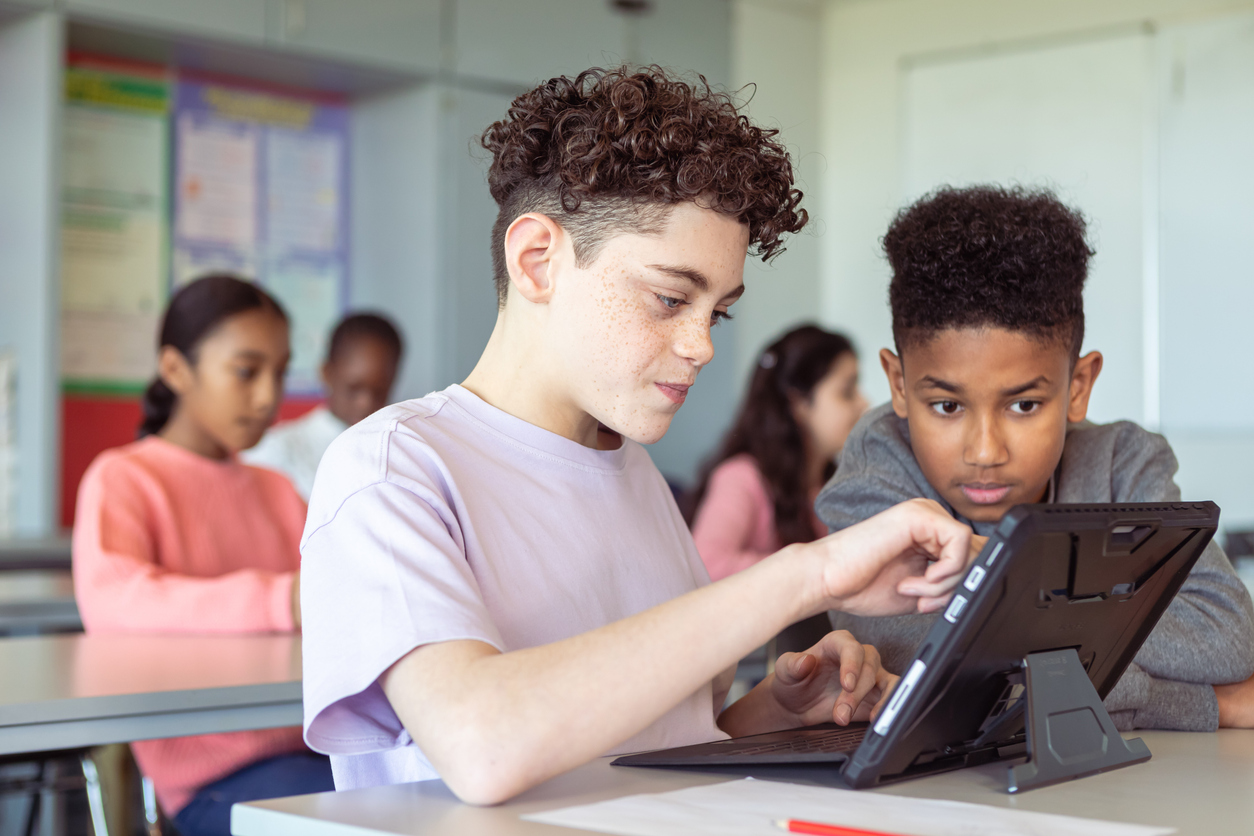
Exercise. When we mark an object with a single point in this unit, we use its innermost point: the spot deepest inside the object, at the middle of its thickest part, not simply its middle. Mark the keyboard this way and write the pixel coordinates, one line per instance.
(826, 741)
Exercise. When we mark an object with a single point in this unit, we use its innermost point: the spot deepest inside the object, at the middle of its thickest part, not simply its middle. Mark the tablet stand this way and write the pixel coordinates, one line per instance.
(1069, 733)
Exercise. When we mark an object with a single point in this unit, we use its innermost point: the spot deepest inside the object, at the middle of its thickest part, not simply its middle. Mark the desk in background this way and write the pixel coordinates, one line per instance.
(1202, 784)
(51, 553)
(36, 592)
(71, 691)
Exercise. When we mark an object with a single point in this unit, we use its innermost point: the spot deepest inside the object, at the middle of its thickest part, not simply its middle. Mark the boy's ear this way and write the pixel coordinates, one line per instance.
(174, 370)
(896, 380)
(532, 242)
(1087, 368)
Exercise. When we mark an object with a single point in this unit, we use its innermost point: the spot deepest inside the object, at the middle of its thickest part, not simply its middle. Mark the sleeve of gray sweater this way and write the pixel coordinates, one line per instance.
(1207, 634)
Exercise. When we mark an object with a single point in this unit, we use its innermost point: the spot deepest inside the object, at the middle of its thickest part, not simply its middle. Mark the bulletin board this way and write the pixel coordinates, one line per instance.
(261, 189)
(114, 227)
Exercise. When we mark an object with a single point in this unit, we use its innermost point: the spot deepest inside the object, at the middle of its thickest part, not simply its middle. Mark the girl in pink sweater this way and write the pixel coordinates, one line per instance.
(756, 495)
(173, 534)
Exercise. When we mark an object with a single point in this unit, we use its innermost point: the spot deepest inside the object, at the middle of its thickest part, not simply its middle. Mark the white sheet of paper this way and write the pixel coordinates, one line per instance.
(100, 346)
(218, 182)
(303, 195)
(189, 266)
(751, 808)
(113, 233)
(113, 225)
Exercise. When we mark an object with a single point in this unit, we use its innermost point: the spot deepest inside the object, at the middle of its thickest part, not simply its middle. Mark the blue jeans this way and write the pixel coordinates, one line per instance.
(209, 812)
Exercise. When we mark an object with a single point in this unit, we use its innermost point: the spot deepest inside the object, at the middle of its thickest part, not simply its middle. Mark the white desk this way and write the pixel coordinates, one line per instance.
(63, 692)
(36, 593)
(25, 554)
(1202, 784)
(34, 601)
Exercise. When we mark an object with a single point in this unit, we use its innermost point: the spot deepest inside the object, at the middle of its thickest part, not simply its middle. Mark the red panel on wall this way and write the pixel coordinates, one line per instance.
(92, 424)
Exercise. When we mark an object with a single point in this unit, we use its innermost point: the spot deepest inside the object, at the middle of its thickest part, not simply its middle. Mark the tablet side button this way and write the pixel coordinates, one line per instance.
(996, 551)
(955, 609)
(972, 583)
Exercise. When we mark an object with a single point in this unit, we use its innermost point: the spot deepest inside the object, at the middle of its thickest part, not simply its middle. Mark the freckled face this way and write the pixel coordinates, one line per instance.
(988, 411)
(633, 327)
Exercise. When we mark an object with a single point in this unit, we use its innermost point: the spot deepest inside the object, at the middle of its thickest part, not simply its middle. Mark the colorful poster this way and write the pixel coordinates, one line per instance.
(113, 226)
(217, 182)
(262, 185)
(303, 192)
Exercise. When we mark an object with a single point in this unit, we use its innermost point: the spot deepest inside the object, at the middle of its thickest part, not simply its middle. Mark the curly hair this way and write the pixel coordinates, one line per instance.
(368, 325)
(615, 150)
(988, 256)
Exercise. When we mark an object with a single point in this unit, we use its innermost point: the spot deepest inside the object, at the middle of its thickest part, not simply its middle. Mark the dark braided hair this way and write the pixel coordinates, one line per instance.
(194, 312)
(766, 429)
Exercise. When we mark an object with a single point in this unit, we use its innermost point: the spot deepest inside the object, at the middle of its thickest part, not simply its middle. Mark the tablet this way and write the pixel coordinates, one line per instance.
(1046, 620)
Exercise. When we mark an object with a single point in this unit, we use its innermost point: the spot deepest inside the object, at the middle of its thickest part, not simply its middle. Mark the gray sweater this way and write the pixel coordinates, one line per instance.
(1207, 633)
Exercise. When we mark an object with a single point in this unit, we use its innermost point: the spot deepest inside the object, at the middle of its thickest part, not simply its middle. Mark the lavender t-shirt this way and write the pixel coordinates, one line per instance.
(445, 518)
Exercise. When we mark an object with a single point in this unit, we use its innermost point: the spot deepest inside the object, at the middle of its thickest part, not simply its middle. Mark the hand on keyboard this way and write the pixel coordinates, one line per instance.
(837, 680)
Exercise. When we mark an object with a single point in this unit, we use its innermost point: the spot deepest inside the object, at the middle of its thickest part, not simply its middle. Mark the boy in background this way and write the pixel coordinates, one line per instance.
(989, 396)
(358, 373)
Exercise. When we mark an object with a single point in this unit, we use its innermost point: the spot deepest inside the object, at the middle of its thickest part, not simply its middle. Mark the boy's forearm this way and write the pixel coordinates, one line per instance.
(1207, 633)
(509, 721)
(1142, 701)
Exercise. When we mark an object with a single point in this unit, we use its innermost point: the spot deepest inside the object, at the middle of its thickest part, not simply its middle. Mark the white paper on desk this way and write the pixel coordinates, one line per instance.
(750, 808)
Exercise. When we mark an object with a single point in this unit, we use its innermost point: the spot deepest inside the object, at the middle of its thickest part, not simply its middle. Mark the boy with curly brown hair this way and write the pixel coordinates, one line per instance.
(497, 584)
(989, 397)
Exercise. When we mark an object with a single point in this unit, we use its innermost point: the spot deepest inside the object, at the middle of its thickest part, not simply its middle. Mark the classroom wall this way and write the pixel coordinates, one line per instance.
(875, 55)
(30, 87)
(395, 225)
(775, 46)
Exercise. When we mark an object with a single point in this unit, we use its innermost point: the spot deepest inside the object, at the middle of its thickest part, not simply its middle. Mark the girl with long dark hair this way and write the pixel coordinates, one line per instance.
(172, 534)
(756, 495)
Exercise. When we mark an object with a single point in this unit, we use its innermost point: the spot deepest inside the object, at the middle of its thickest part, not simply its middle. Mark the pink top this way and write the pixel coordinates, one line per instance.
(169, 541)
(445, 518)
(735, 525)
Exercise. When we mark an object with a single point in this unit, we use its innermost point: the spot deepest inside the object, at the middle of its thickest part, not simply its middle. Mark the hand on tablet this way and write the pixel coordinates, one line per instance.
(837, 680)
(903, 560)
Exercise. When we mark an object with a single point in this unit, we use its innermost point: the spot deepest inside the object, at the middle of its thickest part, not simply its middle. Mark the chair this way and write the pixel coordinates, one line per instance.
(154, 822)
(49, 777)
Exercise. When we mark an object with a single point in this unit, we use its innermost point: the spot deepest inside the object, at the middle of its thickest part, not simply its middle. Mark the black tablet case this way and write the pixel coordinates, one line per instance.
(1046, 620)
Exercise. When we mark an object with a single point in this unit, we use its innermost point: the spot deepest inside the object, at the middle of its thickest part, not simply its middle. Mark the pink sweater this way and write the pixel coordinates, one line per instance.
(735, 525)
(169, 541)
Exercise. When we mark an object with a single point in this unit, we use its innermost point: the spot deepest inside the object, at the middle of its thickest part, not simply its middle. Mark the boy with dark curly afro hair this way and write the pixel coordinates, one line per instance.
(497, 583)
(989, 396)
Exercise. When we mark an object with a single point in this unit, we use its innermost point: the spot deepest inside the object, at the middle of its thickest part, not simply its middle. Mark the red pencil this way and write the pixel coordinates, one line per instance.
(816, 829)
